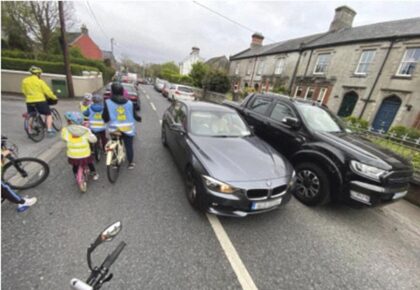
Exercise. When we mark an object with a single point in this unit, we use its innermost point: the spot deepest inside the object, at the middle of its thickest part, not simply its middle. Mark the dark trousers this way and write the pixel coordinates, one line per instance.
(128, 143)
(102, 136)
(10, 195)
(91, 168)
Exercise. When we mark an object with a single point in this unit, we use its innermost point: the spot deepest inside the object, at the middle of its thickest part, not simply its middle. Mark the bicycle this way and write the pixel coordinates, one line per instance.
(35, 125)
(5, 145)
(82, 177)
(23, 172)
(115, 155)
(98, 148)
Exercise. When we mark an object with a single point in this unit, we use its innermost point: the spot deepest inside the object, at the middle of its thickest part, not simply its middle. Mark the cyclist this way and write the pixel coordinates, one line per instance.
(10, 195)
(120, 113)
(85, 103)
(96, 122)
(78, 138)
(37, 94)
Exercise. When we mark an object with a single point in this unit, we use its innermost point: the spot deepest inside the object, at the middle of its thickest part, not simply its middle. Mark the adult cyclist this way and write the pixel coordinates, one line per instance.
(37, 93)
(120, 114)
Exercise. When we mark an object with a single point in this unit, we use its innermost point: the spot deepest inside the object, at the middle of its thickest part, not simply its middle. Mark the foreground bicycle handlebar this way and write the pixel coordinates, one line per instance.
(99, 275)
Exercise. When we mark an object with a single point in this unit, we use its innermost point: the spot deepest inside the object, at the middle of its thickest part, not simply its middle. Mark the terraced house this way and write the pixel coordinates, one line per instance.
(368, 71)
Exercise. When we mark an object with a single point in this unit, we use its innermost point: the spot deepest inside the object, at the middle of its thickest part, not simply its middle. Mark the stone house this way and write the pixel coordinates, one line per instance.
(367, 71)
(220, 63)
(186, 65)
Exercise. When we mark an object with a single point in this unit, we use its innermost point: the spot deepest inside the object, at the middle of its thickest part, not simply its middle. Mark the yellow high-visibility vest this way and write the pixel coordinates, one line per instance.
(77, 146)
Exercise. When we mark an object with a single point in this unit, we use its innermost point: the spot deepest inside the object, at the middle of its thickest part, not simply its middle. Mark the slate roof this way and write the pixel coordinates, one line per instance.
(72, 36)
(371, 32)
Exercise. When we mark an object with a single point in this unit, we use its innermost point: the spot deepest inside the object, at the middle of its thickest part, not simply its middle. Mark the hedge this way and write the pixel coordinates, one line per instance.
(46, 66)
(401, 131)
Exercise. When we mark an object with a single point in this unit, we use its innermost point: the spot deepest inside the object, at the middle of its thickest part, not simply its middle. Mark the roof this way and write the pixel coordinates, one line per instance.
(219, 62)
(372, 32)
(205, 105)
(72, 36)
(107, 54)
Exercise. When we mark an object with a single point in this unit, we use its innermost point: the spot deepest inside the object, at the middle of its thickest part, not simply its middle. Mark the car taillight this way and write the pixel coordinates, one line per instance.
(177, 93)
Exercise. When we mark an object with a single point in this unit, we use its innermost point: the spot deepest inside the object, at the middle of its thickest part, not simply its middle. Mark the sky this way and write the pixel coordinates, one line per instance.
(161, 31)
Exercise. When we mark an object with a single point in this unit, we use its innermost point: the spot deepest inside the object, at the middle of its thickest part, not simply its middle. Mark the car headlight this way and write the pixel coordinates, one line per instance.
(367, 170)
(216, 185)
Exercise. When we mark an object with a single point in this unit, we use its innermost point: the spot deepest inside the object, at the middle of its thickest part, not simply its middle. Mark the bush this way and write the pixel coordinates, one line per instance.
(354, 121)
(46, 66)
(216, 81)
(186, 80)
(401, 131)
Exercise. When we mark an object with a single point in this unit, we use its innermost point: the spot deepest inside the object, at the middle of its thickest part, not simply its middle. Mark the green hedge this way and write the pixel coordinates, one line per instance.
(46, 66)
(401, 131)
(363, 124)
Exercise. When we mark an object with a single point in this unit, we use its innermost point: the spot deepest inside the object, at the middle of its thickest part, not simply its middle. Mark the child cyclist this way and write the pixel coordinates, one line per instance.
(78, 138)
(96, 122)
(85, 103)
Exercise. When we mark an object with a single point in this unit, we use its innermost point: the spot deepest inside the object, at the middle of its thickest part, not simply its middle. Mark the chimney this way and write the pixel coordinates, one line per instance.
(84, 29)
(195, 50)
(257, 40)
(343, 18)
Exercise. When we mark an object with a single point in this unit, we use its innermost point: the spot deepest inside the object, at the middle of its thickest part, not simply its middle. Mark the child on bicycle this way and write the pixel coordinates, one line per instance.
(78, 138)
(85, 103)
(96, 122)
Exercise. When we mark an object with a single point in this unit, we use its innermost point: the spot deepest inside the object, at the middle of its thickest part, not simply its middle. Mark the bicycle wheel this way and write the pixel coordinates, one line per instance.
(34, 127)
(57, 123)
(97, 150)
(82, 179)
(25, 172)
(113, 169)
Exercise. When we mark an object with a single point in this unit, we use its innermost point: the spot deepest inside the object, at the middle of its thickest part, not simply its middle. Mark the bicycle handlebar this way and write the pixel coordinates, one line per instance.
(110, 259)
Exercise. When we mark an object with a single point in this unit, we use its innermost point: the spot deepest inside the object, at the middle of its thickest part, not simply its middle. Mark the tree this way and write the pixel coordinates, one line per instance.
(216, 81)
(38, 19)
(198, 72)
(14, 32)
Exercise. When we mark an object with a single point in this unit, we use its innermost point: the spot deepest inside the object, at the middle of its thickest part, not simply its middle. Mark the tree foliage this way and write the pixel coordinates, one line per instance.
(216, 81)
(198, 72)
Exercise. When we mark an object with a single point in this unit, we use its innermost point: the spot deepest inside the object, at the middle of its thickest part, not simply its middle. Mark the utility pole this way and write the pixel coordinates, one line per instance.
(65, 50)
(112, 46)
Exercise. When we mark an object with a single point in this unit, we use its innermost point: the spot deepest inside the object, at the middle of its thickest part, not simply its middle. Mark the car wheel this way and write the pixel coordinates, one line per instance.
(312, 184)
(163, 136)
(192, 190)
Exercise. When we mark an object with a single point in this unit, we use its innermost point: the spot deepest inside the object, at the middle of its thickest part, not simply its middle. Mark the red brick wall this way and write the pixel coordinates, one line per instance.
(88, 48)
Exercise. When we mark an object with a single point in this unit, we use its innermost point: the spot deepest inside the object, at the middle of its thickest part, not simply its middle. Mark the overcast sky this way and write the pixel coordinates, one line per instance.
(160, 31)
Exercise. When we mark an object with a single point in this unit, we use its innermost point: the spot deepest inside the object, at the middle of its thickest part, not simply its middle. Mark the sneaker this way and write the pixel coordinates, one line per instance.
(131, 165)
(95, 176)
(28, 203)
(51, 133)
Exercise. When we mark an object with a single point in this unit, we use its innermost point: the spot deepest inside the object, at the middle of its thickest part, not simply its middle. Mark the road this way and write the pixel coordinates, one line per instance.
(172, 246)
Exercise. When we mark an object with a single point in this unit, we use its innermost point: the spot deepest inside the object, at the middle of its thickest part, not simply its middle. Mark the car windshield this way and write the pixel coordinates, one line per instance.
(130, 89)
(319, 119)
(217, 124)
(185, 89)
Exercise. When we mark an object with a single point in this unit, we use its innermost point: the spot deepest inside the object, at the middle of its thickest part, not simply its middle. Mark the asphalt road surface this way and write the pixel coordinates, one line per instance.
(171, 246)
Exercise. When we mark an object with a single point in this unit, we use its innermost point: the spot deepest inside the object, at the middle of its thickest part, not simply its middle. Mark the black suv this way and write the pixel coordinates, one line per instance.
(330, 161)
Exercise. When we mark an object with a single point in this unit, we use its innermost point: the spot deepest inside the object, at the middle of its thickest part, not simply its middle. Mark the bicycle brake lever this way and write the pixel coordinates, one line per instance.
(108, 278)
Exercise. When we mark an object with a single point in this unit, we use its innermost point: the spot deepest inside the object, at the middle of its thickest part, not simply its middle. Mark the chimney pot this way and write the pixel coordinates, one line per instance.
(84, 29)
(343, 18)
(257, 40)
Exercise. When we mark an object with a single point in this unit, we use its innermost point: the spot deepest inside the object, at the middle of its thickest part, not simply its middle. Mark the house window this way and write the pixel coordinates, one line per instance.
(322, 63)
(365, 60)
(298, 92)
(260, 70)
(279, 66)
(237, 69)
(409, 61)
(309, 93)
(249, 68)
(321, 95)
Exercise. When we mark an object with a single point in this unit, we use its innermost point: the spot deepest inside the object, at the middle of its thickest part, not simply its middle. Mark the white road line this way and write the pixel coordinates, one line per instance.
(160, 121)
(147, 96)
(153, 106)
(238, 266)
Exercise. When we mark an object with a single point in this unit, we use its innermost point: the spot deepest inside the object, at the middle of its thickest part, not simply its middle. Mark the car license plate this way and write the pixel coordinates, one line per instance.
(399, 195)
(265, 204)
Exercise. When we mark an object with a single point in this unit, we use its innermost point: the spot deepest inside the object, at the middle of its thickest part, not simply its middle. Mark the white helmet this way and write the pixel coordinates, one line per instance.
(87, 97)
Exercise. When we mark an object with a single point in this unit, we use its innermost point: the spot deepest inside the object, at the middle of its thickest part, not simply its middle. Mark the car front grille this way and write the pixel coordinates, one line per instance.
(258, 194)
(399, 177)
(277, 191)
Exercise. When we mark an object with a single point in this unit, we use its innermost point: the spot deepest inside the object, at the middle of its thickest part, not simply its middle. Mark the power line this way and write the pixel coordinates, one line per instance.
(96, 19)
(229, 19)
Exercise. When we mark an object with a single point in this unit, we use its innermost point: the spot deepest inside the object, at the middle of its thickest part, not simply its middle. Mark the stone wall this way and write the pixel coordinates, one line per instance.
(11, 81)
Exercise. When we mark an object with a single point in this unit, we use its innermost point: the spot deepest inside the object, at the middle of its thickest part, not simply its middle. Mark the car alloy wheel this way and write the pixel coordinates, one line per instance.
(191, 188)
(163, 136)
(307, 184)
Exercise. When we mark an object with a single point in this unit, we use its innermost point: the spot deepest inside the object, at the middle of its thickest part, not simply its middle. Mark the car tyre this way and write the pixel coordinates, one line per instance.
(312, 184)
(164, 136)
(193, 190)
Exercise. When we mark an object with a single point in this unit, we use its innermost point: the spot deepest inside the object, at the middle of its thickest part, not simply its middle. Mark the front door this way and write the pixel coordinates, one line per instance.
(386, 114)
(348, 104)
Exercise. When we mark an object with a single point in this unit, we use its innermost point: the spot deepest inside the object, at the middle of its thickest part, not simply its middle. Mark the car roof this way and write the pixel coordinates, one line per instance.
(289, 99)
(199, 105)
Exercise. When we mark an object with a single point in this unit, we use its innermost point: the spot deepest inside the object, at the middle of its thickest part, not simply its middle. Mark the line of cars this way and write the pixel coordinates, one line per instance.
(174, 92)
(130, 92)
(247, 158)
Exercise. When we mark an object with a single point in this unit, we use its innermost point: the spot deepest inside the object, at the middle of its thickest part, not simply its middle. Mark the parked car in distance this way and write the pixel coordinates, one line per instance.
(165, 89)
(159, 84)
(331, 162)
(227, 169)
(131, 94)
(181, 93)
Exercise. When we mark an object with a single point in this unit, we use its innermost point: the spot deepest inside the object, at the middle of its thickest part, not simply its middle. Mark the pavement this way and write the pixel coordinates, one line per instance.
(171, 246)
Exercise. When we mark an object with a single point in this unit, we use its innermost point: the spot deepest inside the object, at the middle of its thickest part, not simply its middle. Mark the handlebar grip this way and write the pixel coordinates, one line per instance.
(77, 284)
(110, 259)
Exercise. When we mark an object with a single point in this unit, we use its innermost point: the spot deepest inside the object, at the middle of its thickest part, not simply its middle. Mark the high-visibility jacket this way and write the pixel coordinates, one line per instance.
(84, 108)
(36, 90)
(121, 117)
(96, 123)
(77, 139)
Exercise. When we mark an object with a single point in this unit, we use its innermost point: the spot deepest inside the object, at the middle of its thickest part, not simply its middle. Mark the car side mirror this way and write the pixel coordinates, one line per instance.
(291, 122)
(177, 128)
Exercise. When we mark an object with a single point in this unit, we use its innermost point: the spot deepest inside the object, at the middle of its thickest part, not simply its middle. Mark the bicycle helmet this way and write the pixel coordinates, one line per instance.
(87, 97)
(35, 70)
(117, 89)
(97, 99)
(74, 117)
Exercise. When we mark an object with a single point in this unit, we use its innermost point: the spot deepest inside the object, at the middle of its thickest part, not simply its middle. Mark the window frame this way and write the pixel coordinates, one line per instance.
(356, 72)
(324, 90)
(402, 62)
(277, 67)
(307, 92)
(297, 89)
(237, 69)
(317, 63)
(271, 101)
(261, 67)
(295, 115)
